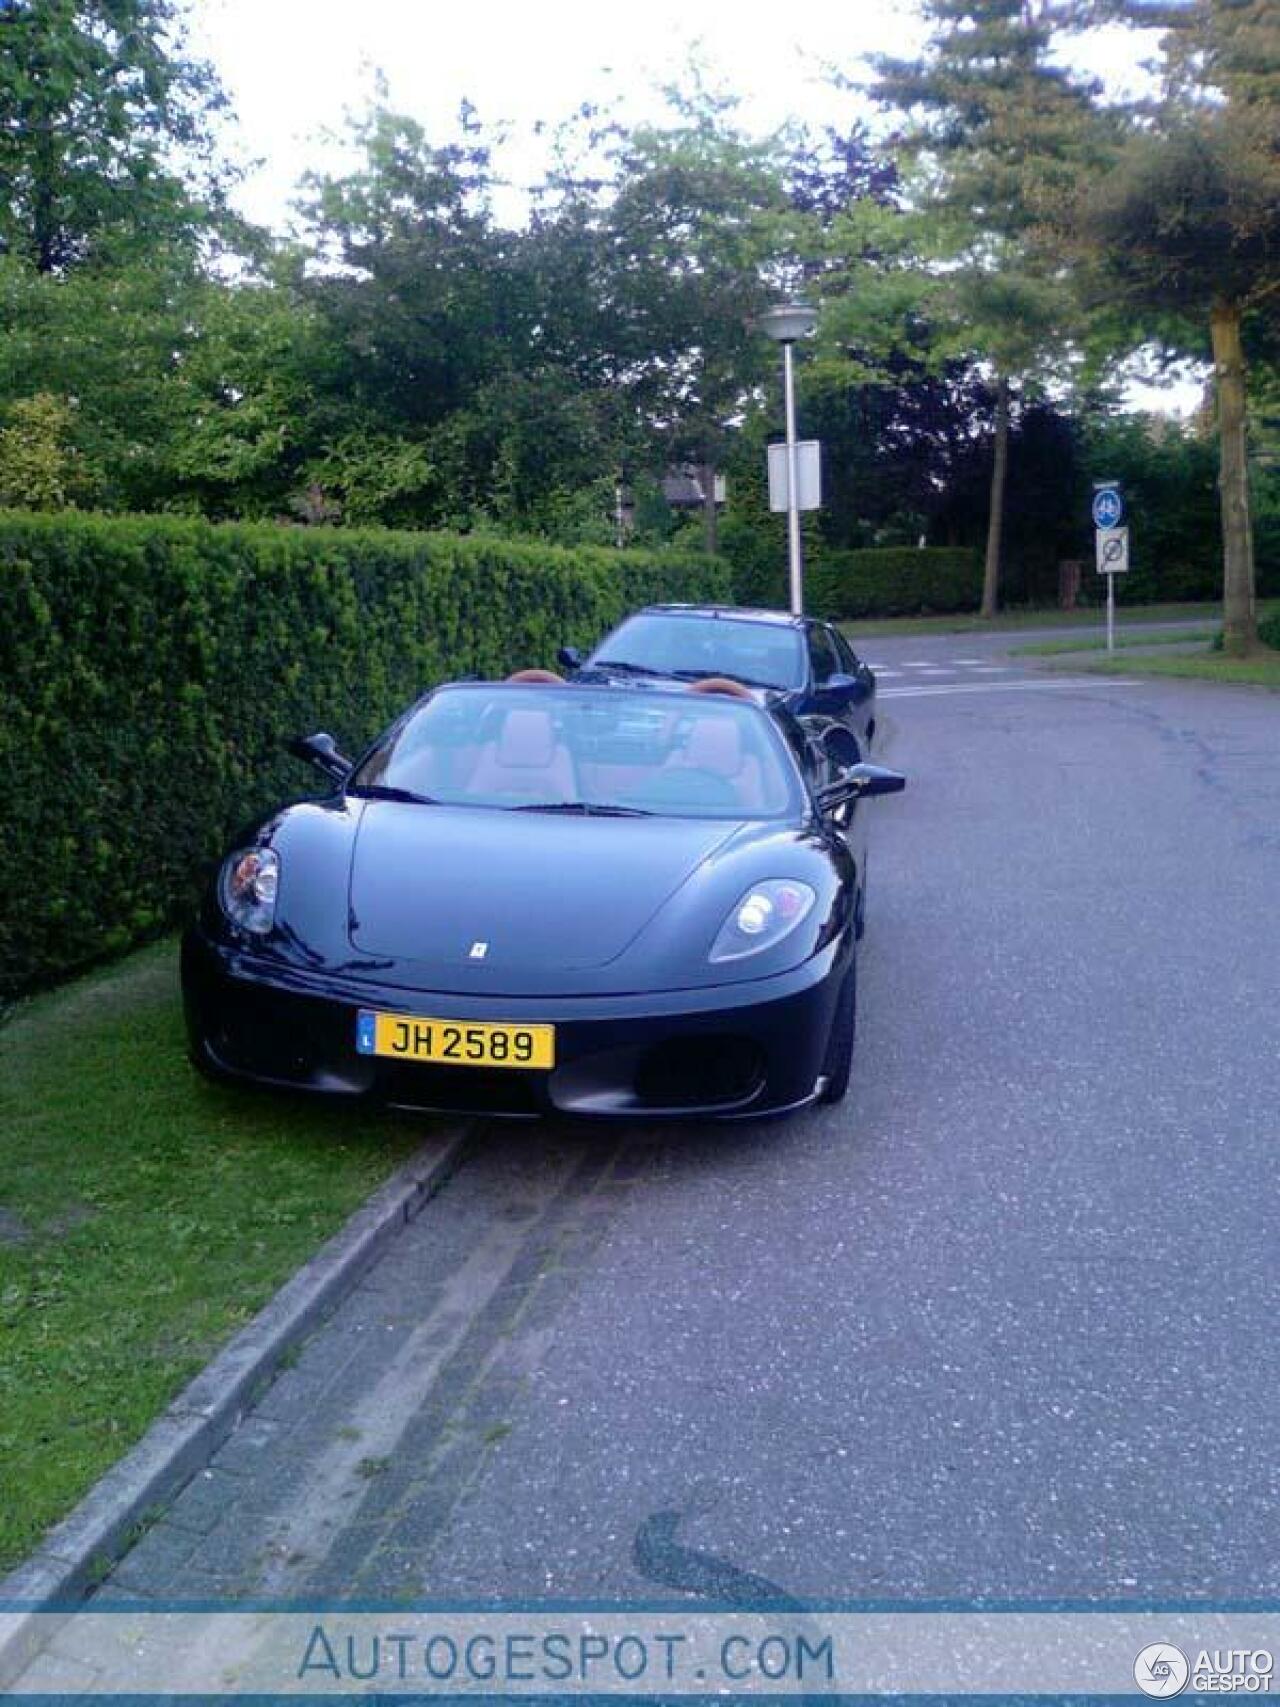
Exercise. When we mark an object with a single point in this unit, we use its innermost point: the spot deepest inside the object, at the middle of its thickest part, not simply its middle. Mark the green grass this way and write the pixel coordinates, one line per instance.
(1012, 621)
(1262, 670)
(144, 1216)
(1051, 648)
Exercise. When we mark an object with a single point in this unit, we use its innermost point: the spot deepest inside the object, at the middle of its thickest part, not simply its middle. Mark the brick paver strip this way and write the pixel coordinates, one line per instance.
(186, 1436)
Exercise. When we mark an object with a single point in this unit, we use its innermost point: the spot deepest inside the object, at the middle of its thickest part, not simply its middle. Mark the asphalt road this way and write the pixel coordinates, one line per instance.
(1003, 1324)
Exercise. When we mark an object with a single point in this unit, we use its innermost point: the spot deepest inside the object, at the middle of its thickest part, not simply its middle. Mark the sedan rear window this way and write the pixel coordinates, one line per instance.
(762, 653)
(595, 750)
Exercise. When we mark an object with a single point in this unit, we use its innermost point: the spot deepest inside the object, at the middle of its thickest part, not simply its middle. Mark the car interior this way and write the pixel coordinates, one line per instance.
(693, 756)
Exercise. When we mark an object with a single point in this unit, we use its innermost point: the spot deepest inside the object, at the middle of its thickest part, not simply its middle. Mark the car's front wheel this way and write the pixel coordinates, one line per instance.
(839, 1060)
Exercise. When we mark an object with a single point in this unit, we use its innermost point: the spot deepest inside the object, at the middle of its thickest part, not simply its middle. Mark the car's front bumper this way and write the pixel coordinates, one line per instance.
(732, 1051)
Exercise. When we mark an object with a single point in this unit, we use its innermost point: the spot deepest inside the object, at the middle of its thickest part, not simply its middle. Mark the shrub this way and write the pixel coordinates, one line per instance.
(39, 467)
(1269, 630)
(894, 581)
(150, 670)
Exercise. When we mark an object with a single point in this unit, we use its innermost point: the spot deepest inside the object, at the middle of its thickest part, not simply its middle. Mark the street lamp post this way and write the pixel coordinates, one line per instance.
(785, 324)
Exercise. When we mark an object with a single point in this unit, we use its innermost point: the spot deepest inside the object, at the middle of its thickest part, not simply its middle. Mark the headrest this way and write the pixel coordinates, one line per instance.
(535, 676)
(528, 738)
(721, 684)
(715, 744)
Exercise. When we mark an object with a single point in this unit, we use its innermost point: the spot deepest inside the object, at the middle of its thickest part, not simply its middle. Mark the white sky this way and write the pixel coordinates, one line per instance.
(294, 69)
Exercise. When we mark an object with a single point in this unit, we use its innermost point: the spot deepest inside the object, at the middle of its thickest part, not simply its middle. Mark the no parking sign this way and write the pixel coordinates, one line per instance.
(1112, 547)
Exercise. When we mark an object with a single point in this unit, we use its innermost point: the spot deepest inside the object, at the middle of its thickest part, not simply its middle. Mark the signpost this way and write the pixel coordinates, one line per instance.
(1111, 545)
(784, 324)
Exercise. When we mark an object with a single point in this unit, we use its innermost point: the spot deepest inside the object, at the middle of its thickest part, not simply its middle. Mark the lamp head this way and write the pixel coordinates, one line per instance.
(789, 321)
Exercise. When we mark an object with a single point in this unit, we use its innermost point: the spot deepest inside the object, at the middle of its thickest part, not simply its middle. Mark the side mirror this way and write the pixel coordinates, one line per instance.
(839, 683)
(321, 750)
(569, 657)
(859, 782)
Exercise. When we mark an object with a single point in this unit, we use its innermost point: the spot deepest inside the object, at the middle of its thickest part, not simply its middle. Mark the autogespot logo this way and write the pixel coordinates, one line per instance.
(1161, 1670)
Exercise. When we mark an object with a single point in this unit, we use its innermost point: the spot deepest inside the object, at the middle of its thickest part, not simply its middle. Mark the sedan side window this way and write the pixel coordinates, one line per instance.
(846, 654)
(822, 655)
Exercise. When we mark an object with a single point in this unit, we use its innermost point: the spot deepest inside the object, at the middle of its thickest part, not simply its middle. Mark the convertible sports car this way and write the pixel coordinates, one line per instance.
(808, 663)
(532, 895)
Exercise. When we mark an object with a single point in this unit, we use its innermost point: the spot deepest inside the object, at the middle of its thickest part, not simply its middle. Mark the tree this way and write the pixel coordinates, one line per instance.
(897, 447)
(698, 228)
(427, 317)
(40, 468)
(190, 392)
(106, 140)
(997, 131)
(1184, 230)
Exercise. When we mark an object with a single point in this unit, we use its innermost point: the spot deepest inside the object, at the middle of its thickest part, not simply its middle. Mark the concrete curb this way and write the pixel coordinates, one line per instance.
(185, 1437)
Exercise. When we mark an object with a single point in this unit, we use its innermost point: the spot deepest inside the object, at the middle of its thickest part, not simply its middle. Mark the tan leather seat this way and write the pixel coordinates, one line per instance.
(715, 745)
(526, 759)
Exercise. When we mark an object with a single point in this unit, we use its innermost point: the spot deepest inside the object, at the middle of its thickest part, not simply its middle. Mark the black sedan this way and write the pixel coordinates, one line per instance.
(808, 663)
(532, 896)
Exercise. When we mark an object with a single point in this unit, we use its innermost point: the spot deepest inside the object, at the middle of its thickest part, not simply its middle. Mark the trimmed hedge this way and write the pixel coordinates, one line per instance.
(150, 670)
(894, 581)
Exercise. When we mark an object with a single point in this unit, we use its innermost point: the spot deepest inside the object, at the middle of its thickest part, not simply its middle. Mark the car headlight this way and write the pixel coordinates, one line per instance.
(248, 888)
(765, 914)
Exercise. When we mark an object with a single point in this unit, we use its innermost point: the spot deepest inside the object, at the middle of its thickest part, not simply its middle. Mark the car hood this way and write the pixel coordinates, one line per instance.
(544, 894)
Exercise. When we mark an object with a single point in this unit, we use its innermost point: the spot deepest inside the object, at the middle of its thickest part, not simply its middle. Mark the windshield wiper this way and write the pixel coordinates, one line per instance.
(584, 808)
(625, 668)
(387, 791)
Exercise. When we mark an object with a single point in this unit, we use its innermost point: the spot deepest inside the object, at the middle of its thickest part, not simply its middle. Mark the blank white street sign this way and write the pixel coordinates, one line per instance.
(1112, 546)
(808, 475)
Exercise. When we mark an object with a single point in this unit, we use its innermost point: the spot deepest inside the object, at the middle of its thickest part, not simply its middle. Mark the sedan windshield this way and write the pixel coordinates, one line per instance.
(591, 751)
(764, 653)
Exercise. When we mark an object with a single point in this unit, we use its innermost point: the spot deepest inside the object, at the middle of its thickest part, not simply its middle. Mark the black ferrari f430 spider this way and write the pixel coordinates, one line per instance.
(533, 896)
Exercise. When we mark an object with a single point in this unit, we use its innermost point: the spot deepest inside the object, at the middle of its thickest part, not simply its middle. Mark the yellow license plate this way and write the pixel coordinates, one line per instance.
(454, 1043)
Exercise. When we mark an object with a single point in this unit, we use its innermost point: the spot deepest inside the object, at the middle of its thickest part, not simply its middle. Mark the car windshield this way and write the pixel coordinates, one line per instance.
(586, 750)
(762, 652)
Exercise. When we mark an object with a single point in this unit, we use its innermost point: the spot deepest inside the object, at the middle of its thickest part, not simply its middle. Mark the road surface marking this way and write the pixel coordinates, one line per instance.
(998, 687)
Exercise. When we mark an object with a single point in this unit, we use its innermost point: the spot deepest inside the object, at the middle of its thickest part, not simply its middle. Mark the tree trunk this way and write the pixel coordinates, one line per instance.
(1239, 607)
(44, 227)
(710, 518)
(995, 520)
